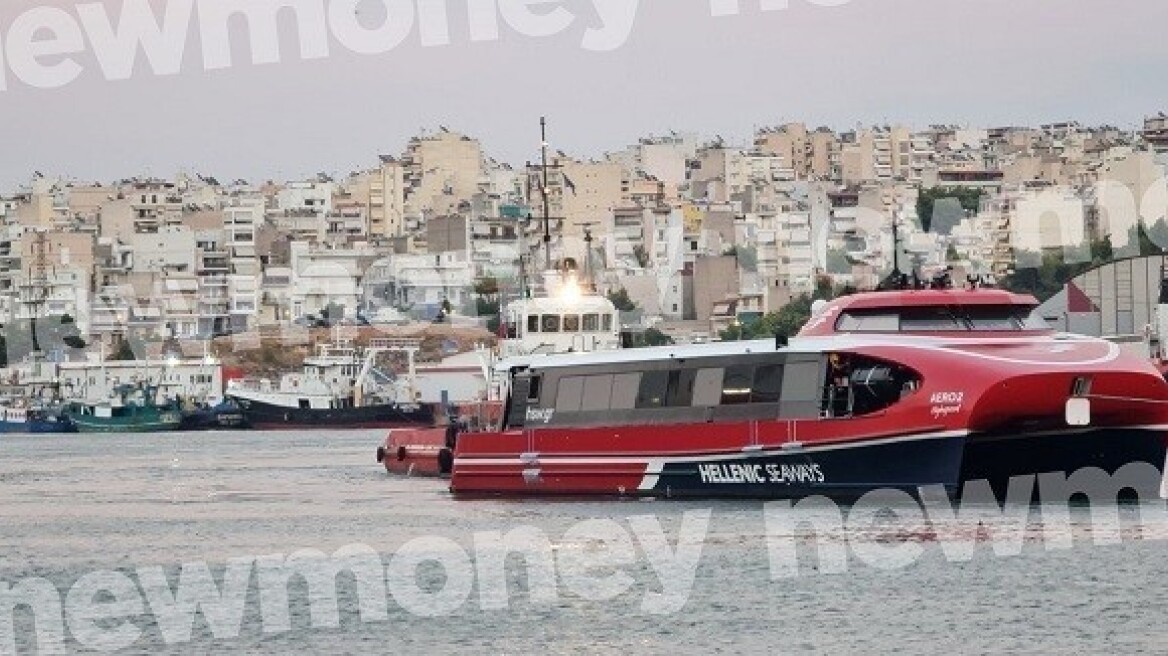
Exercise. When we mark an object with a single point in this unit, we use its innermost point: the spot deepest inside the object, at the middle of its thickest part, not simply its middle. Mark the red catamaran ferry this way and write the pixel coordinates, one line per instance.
(896, 389)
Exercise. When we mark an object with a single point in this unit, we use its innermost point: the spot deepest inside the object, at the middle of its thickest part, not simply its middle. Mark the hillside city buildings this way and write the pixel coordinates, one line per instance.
(700, 233)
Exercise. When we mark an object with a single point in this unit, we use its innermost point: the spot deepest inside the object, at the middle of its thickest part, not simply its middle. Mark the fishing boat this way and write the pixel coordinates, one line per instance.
(890, 389)
(225, 415)
(21, 417)
(339, 387)
(135, 409)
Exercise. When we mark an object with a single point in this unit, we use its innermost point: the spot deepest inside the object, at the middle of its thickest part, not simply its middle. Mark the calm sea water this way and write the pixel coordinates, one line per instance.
(71, 505)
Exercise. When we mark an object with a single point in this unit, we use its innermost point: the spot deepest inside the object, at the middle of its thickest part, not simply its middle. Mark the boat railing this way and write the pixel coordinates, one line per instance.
(399, 344)
(250, 385)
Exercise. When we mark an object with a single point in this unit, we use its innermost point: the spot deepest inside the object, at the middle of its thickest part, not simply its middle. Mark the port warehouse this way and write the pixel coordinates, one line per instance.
(1116, 300)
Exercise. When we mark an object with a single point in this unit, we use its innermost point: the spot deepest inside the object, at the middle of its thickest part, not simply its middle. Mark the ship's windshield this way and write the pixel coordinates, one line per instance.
(980, 318)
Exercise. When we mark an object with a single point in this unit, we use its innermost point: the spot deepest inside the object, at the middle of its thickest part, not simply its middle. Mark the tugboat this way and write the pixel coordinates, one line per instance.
(136, 410)
(566, 320)
(338, 388)
(889, 389)
(566, 316)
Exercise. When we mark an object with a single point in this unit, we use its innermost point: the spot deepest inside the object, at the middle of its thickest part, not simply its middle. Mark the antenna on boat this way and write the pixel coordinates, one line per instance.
(895, 249)
(547, 233)
(587, 225)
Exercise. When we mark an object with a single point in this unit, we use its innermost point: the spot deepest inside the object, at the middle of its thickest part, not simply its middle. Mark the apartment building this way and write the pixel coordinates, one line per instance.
(439, 168)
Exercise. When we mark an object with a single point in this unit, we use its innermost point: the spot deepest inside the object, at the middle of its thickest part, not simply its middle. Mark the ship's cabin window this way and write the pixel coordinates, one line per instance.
(550, 323)
(607, 322)
(989, 318)
(666, 389)
(928, 319)
(858, 385)
(533, 323)
(868, 322)
(571, 323)
(736, 384)
(591, 323)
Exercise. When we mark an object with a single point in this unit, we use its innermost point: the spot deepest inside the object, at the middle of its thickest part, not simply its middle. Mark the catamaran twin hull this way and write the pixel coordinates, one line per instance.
(836, 416)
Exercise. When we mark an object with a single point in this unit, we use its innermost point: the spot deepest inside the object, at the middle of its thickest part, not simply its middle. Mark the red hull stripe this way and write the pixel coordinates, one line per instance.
(795, 447)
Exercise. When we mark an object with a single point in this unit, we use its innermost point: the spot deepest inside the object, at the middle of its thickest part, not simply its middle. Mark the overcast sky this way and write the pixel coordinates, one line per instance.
(980, 62)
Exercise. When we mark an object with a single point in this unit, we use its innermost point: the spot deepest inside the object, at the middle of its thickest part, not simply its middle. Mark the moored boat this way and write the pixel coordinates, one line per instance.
(221, 416)
(136, 409)
(22, 418)
(897, 389)
(338, 388)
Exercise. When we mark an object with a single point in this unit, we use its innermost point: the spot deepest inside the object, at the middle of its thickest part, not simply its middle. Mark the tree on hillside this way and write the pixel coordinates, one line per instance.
(788, 320)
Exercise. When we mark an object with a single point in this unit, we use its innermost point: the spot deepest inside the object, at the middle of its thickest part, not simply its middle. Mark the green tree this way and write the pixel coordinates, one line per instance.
(652, 337)
(124, 351)
(642, 256)
(951, 254)
(620, 298)
(487, 287)
(487, 303)
(837, 261)
(786, 322)
(747, 257)
(968, 197)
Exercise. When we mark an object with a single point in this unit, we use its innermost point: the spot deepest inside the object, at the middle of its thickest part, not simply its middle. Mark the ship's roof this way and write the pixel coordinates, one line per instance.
(933, 297)
(839, 343)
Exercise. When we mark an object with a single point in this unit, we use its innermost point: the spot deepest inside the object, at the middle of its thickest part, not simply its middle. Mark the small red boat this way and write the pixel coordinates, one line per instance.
(430, 451)
(895, 389)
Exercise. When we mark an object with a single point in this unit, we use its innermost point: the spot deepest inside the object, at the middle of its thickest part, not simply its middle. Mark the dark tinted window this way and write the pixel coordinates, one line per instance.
(737, 383)
(681, 388)
(768, 382)
(654, 389)
(929, 318)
